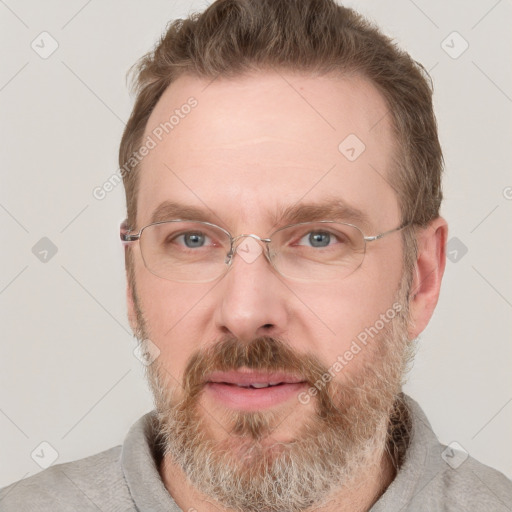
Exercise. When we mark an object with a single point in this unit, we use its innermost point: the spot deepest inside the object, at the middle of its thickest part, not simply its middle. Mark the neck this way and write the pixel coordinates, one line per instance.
(368, 486)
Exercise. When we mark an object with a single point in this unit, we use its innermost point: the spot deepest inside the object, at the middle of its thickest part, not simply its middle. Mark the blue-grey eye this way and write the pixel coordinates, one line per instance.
(319, 238)
(194, 240)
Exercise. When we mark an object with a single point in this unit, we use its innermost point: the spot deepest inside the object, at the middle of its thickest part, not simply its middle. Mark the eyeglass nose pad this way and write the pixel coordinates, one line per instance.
(248, 247)
(229, 256)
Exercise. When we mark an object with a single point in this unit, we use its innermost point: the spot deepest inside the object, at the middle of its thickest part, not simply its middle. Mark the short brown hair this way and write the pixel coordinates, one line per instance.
(232, 37)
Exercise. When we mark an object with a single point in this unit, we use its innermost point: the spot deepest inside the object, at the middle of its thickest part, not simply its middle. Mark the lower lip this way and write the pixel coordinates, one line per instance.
(252, 399)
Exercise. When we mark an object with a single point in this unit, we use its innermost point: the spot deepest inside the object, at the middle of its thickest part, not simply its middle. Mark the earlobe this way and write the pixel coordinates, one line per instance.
(428, 274)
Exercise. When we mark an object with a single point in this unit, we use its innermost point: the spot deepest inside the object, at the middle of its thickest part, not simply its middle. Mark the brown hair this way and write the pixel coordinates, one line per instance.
(232, 37)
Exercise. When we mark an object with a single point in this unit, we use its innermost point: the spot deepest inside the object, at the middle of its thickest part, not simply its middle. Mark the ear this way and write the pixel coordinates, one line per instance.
(428, 274)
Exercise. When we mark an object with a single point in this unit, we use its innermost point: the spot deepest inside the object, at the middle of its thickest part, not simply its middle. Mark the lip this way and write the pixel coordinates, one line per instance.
(246, 376)
(225, 387)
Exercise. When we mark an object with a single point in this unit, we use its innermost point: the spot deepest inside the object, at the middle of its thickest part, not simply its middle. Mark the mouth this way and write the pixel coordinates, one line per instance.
(252, 390)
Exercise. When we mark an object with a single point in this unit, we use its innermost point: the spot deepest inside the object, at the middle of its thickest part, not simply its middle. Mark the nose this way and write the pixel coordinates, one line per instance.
(252, 300)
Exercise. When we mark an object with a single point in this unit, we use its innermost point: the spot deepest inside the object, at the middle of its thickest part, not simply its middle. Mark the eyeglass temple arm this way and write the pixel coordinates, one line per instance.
(125, 233)
(381, 235)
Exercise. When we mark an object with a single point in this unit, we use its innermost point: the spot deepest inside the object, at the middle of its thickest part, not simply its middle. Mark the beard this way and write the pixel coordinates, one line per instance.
(356, 417)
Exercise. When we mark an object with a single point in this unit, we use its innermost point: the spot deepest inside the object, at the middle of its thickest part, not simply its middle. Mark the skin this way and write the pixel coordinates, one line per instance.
(252, 146)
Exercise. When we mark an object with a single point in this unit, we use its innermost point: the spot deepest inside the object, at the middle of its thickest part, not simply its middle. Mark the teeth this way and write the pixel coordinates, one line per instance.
(257, 385)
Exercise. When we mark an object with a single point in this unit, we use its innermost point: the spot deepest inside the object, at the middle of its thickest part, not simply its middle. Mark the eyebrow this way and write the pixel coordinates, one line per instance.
(169, 210)
(333, 209)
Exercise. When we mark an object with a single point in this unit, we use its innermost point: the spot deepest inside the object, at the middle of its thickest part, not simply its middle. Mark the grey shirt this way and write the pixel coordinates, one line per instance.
(432, 478)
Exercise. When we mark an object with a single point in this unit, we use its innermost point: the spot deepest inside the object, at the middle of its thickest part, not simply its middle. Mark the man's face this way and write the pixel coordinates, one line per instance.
(250, 149)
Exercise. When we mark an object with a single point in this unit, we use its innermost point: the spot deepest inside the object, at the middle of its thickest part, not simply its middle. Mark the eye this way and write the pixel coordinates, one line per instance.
(318, 239)
(193, 239)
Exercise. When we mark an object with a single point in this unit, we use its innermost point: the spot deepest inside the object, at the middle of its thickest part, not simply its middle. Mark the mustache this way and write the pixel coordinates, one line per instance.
(262, 353)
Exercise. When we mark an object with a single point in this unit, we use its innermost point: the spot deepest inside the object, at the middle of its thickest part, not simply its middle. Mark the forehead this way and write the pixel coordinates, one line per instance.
(244, 149)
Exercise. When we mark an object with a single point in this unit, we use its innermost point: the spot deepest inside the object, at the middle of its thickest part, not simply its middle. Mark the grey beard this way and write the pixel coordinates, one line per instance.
(249, 472)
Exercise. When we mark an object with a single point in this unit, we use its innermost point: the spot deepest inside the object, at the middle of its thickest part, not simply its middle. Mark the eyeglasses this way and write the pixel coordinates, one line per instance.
(199, 252)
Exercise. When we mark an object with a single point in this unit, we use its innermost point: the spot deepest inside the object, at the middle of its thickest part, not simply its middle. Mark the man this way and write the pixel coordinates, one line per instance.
(283, 248)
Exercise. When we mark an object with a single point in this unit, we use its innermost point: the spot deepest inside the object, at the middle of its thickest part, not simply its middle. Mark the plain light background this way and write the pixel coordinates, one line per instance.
(68, 375)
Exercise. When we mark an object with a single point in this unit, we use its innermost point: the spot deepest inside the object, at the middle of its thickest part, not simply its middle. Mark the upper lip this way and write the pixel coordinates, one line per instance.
(248, 377)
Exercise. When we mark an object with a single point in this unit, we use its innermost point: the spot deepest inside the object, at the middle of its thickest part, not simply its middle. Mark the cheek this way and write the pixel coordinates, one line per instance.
(172, 312)
(346, 312)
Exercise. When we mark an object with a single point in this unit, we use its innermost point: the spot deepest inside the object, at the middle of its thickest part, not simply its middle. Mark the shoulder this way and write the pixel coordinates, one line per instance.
(471, 486)
(451, 479)
(438, 477)
(93, 483)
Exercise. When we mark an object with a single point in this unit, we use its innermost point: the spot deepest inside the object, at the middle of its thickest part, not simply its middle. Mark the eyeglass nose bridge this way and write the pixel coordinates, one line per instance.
(235, 244)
